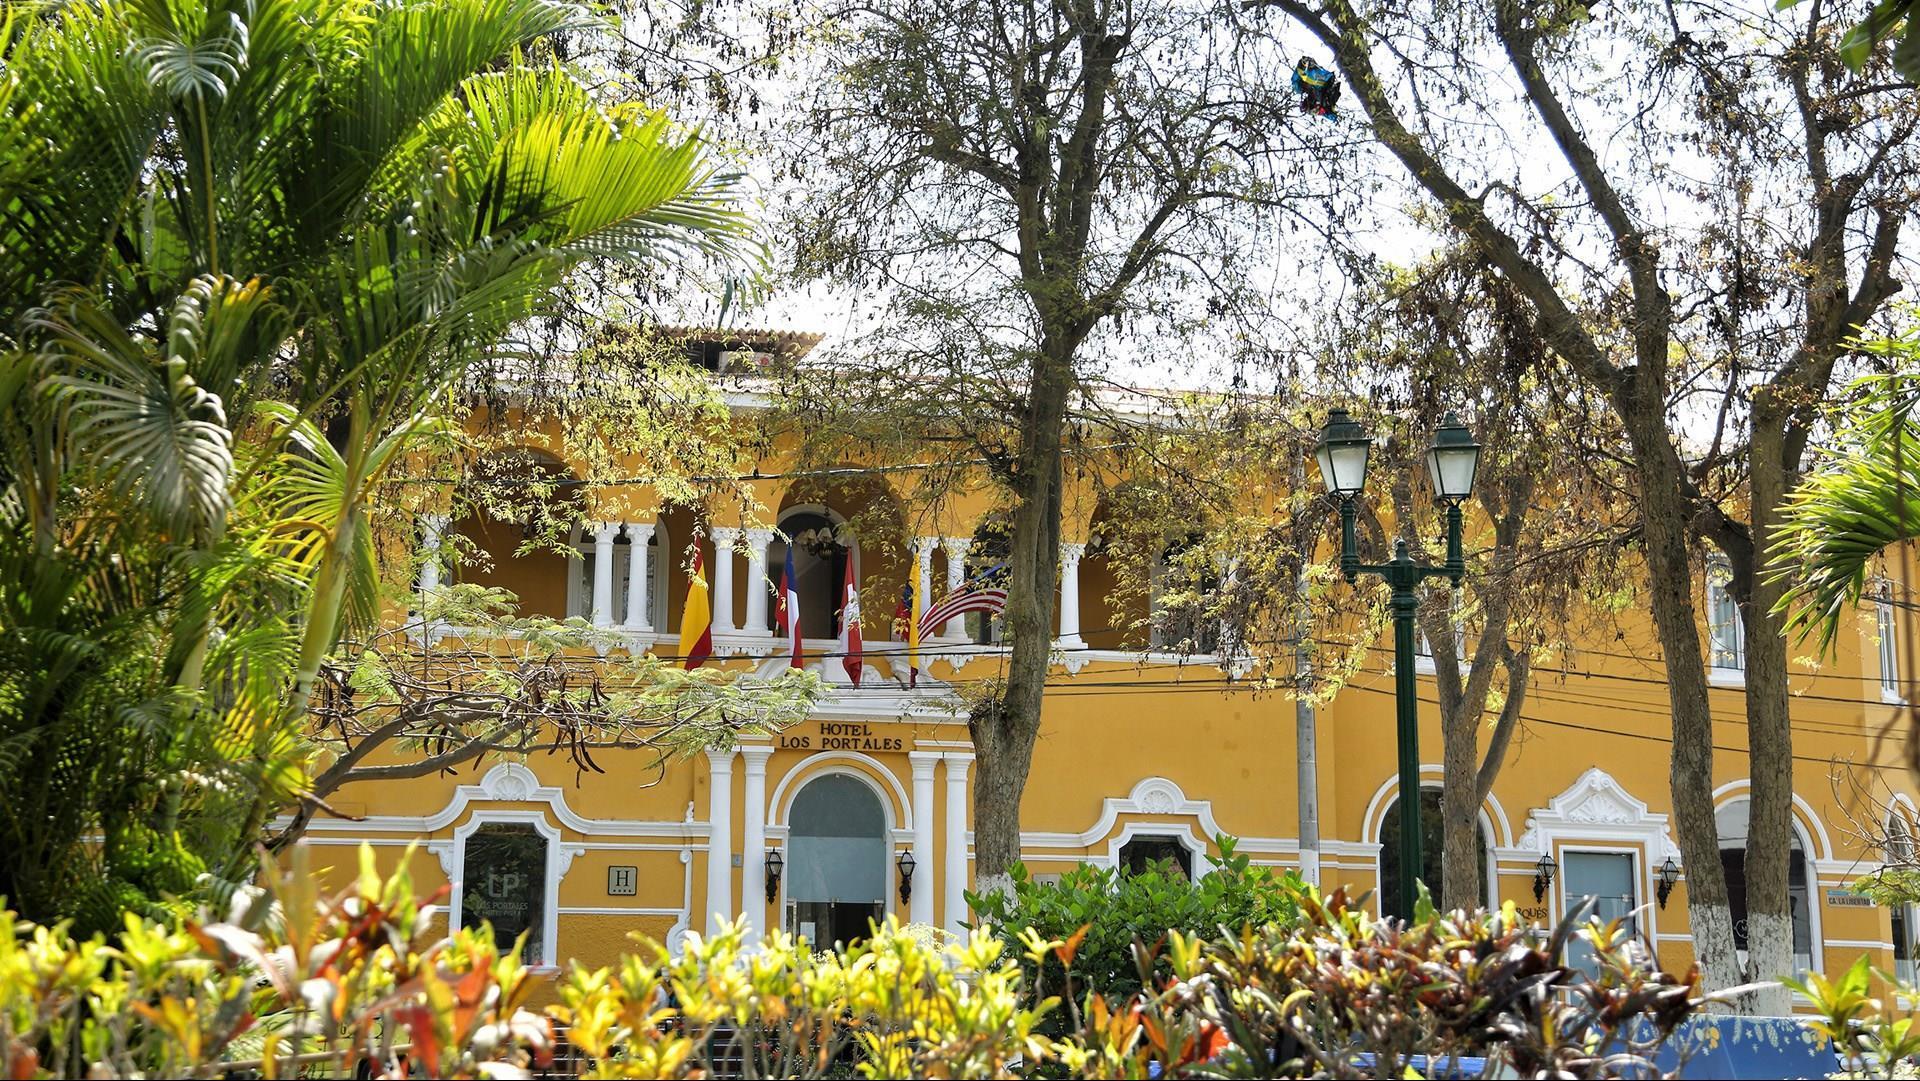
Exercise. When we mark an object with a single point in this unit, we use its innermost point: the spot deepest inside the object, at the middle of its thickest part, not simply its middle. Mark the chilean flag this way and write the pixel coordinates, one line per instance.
(787, 608)
(850, 644)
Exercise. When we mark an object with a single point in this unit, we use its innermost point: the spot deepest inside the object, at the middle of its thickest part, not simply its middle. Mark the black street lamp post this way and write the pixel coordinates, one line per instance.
(1451, 463)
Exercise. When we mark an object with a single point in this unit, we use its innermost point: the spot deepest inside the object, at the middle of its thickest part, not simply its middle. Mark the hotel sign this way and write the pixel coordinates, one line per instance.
(839, 736)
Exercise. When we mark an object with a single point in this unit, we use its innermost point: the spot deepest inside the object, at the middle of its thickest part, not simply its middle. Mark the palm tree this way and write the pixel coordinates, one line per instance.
(222, 223)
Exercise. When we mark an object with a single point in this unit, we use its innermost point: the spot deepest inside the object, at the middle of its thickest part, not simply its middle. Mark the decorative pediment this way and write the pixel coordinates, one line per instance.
(1597, 807)
(510, 781)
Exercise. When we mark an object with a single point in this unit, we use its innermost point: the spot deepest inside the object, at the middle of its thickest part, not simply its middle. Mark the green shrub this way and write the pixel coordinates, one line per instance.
(362, 983)
(1111, 911)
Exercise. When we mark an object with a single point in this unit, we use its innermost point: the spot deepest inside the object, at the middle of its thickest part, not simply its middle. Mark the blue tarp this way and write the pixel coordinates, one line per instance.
(1719, 1047)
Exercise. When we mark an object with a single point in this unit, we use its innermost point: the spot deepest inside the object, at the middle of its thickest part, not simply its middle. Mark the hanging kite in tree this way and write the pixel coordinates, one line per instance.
(1317, 87)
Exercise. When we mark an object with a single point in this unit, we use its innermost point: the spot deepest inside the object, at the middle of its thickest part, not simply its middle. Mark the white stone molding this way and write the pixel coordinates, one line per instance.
(893, 797)
(1597, 813)
(955, 900)
(511, 782)
(433, 530)
(753, 840)
(1493, 815)
(920, 905)
(1597, 808)
(1070, 556)
(1813, 830)
(453, 858)
(720, 907)
(601, 612)
(677, 934)
(724, 538)
(758, 584)
(955, 629)
(640, 553)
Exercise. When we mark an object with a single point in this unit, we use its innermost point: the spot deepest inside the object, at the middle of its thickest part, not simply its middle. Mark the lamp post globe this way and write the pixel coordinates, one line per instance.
(1342, 453)
(1453, 460)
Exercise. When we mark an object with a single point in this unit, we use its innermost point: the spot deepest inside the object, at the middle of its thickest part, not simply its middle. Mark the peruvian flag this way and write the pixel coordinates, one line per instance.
(786, 607)
(850, 645)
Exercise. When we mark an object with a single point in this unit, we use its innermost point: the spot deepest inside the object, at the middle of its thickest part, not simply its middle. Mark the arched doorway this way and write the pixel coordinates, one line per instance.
(836, 860)
(1731, 820)
(1431, 851)
(822, 547)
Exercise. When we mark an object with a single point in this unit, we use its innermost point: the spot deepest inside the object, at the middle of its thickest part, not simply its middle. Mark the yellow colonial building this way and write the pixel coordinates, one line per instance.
(864, 809)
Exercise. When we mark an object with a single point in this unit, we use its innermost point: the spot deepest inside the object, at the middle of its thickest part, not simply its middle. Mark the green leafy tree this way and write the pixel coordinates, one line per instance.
(1755, 290)
(1031, 188)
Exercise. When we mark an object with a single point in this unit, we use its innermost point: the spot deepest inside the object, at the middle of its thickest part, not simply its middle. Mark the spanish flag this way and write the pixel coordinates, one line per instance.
(696, 619)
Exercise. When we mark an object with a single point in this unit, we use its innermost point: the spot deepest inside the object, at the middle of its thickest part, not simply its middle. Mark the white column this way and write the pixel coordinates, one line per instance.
(753, 843)
(433, 529)
(920, 906)
(720, 907)
(955, 903)
(757, 584)
(723, 538)
(603, 534)
(923, 578)
(956, 577)
(1070, 554)
(639, 605)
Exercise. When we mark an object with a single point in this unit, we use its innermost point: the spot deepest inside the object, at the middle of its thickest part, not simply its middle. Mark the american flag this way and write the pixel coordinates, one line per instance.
(985, 592)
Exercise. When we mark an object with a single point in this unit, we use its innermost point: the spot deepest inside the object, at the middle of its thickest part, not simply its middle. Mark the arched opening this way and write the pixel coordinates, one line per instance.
(1731, 821)
(583, 560)
(1181, 595)
(1431, 842)
(822, 546)
(987, 562)
(836, 860)
(1900, 856)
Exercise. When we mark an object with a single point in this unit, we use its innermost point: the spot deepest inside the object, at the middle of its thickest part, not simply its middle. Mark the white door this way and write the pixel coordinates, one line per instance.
(1608, 878)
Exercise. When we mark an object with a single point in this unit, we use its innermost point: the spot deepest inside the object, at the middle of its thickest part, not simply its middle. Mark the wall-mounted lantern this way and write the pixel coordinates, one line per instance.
(1543, 875)
(1669, 875)
(906, 864)
(774, 866)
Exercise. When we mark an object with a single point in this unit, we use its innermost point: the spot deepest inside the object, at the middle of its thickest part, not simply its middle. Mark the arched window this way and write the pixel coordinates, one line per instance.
(1180, 594)
(822, 546)
(1731, 821)
(987, 558)
(582, 564)
(1905, 926)
(836, 861)
(1145, 851)
(1431, 842)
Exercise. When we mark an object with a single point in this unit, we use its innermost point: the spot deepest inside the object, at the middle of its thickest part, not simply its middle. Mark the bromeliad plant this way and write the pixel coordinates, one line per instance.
(289, 983)
(891, 1006)
(362, 981)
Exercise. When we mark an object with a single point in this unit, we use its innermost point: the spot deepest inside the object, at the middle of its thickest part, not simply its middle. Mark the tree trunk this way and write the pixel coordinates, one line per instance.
(1460, 880)
(1004, 731)
(1769, 731)
(1690, 773)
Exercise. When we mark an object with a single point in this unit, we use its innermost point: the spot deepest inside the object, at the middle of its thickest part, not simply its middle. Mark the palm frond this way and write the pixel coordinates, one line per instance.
(1861, 499)
(159, 437)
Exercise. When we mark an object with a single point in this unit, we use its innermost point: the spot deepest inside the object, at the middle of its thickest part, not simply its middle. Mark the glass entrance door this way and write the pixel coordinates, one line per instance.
(1608, 878)
(836, 861)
